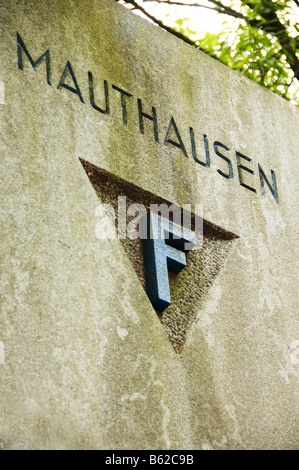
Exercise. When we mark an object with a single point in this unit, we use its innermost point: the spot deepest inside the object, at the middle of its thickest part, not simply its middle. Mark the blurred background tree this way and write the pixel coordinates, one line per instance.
(258, 38)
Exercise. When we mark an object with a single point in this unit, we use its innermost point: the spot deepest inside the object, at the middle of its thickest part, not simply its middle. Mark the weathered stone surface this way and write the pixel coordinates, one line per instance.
(85, 361)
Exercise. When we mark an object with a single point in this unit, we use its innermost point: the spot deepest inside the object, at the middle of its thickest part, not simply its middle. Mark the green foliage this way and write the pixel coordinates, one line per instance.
(255, 55)
(264, 46)
(184, 30)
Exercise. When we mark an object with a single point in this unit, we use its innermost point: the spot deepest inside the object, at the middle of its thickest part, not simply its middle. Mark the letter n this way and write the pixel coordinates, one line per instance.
(35, 64)
(273, 188)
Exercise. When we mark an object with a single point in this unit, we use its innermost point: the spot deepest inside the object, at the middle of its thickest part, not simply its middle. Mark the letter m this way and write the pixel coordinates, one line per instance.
(35, 64)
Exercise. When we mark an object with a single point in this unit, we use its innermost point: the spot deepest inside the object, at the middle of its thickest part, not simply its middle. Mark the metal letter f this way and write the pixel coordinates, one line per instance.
(164, 249)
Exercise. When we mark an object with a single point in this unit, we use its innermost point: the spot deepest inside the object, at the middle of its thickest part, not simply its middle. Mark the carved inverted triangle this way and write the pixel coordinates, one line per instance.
(190, 287)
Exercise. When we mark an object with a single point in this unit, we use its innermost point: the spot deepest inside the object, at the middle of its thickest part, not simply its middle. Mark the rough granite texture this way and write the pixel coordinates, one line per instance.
(86, 362)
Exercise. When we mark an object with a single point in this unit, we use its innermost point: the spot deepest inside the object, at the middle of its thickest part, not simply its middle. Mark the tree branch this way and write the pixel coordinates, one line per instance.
(159, 23)
(274, 27)
(221, 8)
(267, 11)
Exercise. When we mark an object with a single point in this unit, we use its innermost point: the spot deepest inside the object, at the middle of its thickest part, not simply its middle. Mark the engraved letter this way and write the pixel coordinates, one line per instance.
(68, 70)
(40, 60)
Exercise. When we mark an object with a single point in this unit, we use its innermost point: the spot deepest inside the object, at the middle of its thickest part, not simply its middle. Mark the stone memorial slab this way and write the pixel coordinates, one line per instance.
(105, 119)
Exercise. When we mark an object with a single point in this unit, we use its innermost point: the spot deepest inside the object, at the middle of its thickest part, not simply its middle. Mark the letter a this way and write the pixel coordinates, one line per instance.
(68, 70)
